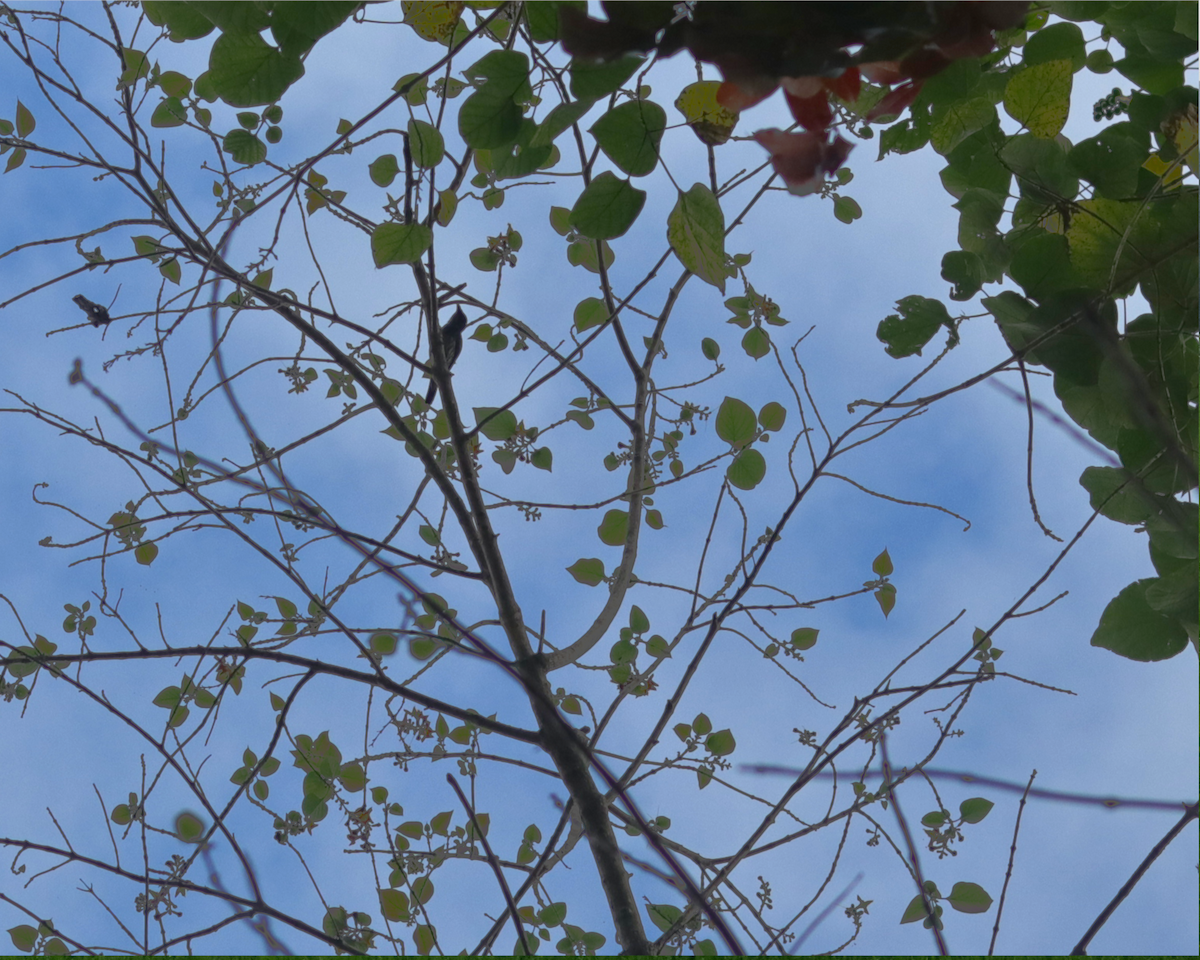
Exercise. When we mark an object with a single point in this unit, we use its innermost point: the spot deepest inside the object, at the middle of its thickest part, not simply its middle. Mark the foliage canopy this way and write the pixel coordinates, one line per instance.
(588, 414)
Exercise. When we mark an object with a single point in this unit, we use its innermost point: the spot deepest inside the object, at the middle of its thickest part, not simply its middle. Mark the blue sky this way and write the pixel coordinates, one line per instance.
(1129, 729)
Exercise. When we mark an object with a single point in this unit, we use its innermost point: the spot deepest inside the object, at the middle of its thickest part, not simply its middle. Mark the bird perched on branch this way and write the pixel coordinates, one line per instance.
(452, 344)
(96, 313)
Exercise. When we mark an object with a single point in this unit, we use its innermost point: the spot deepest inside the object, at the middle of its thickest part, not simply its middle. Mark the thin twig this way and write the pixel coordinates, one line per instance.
(914, 860)
(1081, 947)
(1012, 855)
(494, 863)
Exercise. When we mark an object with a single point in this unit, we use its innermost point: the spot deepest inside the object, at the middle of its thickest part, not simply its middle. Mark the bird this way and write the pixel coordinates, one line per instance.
(452, 344)
(96, 313)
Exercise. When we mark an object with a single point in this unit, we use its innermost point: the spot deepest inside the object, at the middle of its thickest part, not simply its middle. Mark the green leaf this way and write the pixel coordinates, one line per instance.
(846, 209)
(426, 144)
(1112, 160)
(804, 638)
(906, 136)
(736, 422)
(1131, 628)
(558, 120)
(973, 163)
(658, 647)
(145, 553)
(499, 425)
(491, 116)
(607, 208)
(137, 67)
(169, 113)
(182, 20)
(979, 213)
(560, 220)
(629, 135)
(484, 259)
(747, 470)
(297, 28)
(383, 170)
(885, 596)
(974, 810)
(882, 565)
(167, 697)
(554, 914)
(696, 233)
(721, 743)
(1097, 236)
(1153, 74)
(710, 348)
(965, 271)
(614, 528)
(1113, 492)
(756, 342)
(246, 71)
(638, 621)
(582, 253)
(969, 898)
(244, 147)
(170, 270)
(914, 911)
(353, 777)
(663, 915)
(1042, 265)
(591, 79)
(590, 312)
(1041, 169)
(1100, 61)
(24, 937)
(772, 416)
(587, 570)
(400, 242)
(909, 331)
(959, 121)
(1061, 41)
(542, 458)
(189, 828)
(448, 204)
(1039, 97)
(383, 644)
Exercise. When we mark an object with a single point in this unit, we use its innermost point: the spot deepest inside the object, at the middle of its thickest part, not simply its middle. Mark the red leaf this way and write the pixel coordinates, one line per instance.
(835, 154)
(924, 63)
(846, 86)
(746, 92)
(812, 113)
(895, 102)
(795, 157)
(803, 159)
(885, 72)
(803, 87)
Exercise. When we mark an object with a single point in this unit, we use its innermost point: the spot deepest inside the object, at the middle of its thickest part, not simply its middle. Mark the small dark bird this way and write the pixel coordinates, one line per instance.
(96, 313)
(452, 344)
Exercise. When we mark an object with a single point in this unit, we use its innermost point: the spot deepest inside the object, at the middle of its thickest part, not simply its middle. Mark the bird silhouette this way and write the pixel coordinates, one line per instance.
(96, 313)
(452, 344)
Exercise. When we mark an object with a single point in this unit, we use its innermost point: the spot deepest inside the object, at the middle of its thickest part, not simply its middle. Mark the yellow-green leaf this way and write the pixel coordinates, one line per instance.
(1040, 98)
(696, 233)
